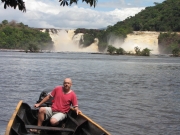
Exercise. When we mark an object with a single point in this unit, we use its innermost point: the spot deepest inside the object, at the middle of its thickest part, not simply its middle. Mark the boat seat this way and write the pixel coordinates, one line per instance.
(47, 128)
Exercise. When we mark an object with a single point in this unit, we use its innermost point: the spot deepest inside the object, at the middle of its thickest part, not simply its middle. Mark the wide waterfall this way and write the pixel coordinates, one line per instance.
(141, 39)
(67, 41)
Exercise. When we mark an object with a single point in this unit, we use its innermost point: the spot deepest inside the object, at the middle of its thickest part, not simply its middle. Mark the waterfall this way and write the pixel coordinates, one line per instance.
(67, 41)
(142, 39)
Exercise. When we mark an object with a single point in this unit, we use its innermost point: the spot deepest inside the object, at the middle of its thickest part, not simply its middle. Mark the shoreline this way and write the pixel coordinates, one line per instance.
(45, 51)
(11, 50)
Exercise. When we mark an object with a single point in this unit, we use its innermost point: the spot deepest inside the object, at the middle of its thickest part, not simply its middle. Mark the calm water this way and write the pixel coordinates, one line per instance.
(126, 95)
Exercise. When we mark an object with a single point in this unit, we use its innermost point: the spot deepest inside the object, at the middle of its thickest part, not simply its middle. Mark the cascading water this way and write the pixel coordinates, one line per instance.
(67, 41)
(141, 39)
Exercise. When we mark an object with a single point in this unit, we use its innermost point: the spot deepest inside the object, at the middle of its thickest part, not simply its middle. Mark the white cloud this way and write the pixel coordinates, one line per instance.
(121, 14)
(48, 14)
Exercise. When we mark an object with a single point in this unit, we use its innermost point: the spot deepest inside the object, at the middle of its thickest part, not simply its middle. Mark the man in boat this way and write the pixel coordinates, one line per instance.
(64, 97)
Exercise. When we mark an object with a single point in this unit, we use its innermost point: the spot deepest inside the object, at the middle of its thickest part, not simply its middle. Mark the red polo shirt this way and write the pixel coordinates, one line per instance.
(63, 101)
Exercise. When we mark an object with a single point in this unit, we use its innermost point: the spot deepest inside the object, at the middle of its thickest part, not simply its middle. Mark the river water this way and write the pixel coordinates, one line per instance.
(126, 95)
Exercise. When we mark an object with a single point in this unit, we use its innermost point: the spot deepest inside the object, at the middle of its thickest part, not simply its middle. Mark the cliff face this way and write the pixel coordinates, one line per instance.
(66, 40)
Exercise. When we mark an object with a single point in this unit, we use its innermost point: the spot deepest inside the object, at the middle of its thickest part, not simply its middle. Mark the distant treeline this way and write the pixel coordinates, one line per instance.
(19, 36)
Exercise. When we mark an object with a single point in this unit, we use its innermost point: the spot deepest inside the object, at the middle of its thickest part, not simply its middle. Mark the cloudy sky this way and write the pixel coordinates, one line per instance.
(48, 13)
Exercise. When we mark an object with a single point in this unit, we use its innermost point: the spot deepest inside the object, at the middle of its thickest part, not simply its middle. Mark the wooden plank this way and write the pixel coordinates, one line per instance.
(49, 128)
(8, 128)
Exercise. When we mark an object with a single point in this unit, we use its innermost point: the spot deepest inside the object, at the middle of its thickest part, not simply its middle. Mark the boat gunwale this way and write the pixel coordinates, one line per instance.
(94, 123)
(11, 121)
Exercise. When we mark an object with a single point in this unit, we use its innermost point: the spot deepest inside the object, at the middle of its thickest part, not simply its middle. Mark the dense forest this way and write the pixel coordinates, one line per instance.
(162, 17)
(19, 36)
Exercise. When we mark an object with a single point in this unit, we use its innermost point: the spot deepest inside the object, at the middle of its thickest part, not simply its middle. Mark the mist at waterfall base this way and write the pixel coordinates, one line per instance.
(130, 43)
(68, 41)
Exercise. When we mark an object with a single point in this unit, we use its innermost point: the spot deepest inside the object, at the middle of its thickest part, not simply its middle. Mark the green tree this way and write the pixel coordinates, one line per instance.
(146, 52)
(111, 49)
(176, 52)
(5, 22)
(137, 50)
(120, 51)
(33, 47)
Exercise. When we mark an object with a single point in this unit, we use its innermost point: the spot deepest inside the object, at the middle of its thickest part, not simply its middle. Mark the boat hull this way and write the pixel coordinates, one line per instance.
(24, 118)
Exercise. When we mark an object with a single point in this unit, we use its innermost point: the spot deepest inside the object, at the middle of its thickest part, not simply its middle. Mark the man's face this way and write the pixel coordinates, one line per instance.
(67, 84)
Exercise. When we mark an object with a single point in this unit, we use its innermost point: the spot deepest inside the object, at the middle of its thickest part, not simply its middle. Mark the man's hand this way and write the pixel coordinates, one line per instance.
(36, 105)
(77, 110)
(43, 101)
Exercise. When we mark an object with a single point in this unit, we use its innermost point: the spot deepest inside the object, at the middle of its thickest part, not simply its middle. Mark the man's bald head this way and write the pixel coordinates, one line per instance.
(67, 84)
(68, 80)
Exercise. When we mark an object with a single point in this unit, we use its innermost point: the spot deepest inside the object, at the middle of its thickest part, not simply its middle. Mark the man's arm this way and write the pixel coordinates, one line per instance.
(43, 101)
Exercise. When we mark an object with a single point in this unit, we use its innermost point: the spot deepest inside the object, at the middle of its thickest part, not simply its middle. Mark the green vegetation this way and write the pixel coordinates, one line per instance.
(120, 51)
(70, 2)
(145, 52)
(19, 36)
(89, 36)
(176, 52)
(162, 17)
(111, 49)
(169, 42)
(88, 39)
(137, 50)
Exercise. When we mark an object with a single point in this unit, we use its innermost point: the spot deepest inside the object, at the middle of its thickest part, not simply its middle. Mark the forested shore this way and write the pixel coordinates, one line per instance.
(18, 36)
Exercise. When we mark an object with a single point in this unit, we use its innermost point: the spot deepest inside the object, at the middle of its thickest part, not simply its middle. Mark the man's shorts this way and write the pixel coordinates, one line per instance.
(59, 116)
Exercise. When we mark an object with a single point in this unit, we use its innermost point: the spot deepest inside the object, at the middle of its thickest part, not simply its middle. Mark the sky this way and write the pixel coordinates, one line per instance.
(49, 13)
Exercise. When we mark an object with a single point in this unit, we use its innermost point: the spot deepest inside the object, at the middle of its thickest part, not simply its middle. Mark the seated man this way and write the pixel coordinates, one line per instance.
(64, 97)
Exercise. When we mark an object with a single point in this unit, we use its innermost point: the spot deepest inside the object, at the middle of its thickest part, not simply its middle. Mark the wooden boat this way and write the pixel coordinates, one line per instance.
(24, 118)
